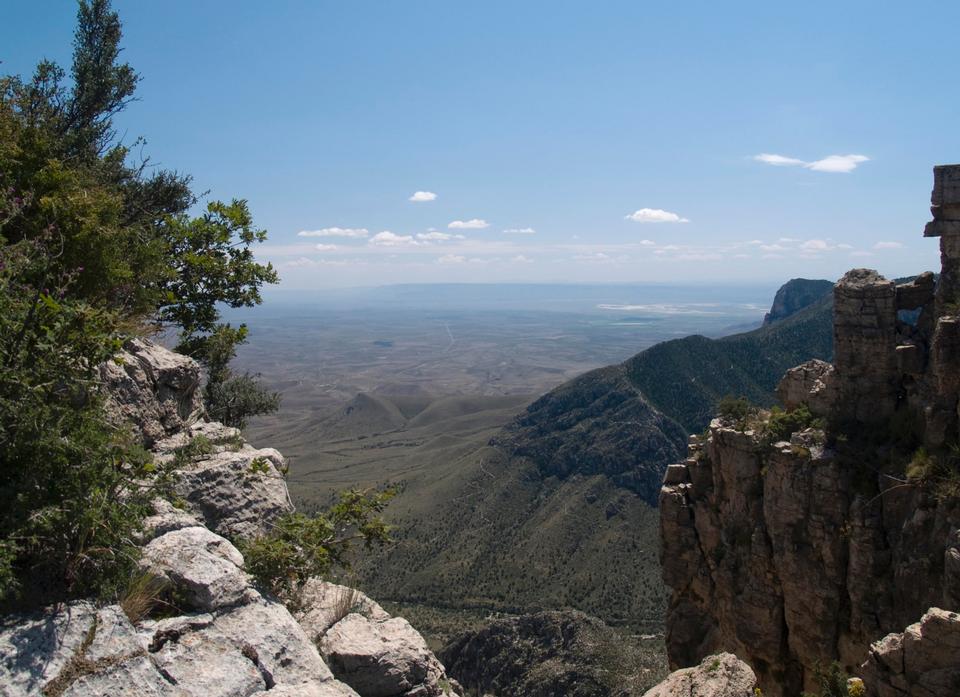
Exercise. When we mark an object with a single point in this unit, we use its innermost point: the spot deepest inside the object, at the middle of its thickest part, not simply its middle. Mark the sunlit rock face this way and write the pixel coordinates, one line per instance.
(795, 553)
(226, 638)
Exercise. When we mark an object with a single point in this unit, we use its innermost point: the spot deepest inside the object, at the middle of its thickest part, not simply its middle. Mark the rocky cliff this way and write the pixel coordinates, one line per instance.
(795, 295)
(827, 533)
(218, 635)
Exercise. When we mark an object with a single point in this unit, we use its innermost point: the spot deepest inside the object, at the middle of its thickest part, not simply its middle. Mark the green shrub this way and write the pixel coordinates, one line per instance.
(782, 424)
(737, 411)
(93, 248)
(300, 547)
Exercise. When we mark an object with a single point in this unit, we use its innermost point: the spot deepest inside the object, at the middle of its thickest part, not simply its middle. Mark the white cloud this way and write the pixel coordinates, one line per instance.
(773, 248)
(299, 263)
(472, 224)
(390, 239)
(335, 232)
(837, 163)
(451, 259)
(434, 236)
(521, 259)
(844, 245)
(888, 245)
(519, 231)
(830, 163)
(816, 246)
(596, 256)
(325, 247)
(655, 215)
(305, 263)
(778, 160)
(647, 243)
(422, 196)
(755, 242)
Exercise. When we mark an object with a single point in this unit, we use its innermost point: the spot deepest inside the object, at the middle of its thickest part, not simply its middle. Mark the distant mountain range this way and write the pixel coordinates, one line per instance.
(556, 509)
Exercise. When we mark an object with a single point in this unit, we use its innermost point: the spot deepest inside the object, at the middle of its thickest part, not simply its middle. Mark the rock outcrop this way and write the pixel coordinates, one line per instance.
(723, 675)
(549, 653)
(795, 295)
(921, 661)
(225, 637)
(795, 550)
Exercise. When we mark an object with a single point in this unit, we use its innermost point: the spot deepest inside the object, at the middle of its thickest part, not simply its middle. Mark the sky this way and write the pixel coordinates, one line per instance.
(545, 141)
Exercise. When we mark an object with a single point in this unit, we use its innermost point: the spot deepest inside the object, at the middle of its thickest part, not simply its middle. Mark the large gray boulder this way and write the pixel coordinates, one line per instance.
(235, 489)
(77, 650)
(322, 604)
(922, 661)
(152, 389)
(384, 658)
(722, 675)
(204, 567)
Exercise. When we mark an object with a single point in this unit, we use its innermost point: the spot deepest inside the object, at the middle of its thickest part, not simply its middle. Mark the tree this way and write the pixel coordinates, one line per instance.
(93, 249)
(213, 264)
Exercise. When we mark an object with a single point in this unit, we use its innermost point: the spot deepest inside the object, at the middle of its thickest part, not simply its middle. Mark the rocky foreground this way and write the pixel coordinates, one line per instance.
(222, 636)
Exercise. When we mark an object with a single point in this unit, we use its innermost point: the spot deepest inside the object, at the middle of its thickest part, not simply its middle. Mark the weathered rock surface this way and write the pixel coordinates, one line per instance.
(229, 640)
(795, 295)
(235, 489)
(723, 675)
(812, 384)
(794, 554)
(323, 604)
(152, 389)
(383, 658)
(204, 566)
(547, 653)
(922, 661)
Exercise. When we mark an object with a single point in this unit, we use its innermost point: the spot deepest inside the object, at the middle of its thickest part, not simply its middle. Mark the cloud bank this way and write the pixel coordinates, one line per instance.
(830, 163)
(335, 232)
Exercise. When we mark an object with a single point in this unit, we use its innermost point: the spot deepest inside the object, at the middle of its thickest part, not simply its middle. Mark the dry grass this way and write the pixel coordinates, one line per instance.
(344, 602)
(143, 594)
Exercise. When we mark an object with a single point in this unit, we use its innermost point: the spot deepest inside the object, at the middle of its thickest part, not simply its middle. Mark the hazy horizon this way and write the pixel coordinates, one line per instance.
(544, 142)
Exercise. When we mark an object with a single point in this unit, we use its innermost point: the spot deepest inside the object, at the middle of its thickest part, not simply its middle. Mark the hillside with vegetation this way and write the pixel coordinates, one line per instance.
(557, 509)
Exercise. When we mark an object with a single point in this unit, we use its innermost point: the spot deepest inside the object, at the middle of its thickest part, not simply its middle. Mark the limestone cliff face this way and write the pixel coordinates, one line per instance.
(795, 553)
(226, 638)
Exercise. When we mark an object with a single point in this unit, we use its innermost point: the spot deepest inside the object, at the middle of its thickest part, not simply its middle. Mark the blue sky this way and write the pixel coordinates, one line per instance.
(573, 141)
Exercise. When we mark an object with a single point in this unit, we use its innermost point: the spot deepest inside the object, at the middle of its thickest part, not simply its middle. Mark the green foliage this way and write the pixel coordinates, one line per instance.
(685, 378)
(300, 547)
(74, 488)
(939, 471)
(238, 397)
(737, 411)
(833, 682)
(93, 246)
(782, 424)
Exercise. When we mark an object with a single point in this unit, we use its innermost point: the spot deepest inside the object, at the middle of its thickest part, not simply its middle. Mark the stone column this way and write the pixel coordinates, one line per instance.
(864, 345)
(945, 207)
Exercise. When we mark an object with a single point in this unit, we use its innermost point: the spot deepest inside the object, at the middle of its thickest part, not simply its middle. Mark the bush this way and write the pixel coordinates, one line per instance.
(92, 249)
(782, 424)
(737, 411)
(300, 547)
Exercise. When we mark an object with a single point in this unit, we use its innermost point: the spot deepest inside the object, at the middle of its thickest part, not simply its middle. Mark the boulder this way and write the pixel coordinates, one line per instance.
(922, 661)
(237, 490)
(722, 675)
(204, 567)
(77, 650)
(323, 604)
(383, 658)
(152, 389)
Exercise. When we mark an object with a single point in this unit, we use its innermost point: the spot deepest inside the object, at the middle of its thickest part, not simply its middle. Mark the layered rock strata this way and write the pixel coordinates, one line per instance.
(795, 553)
